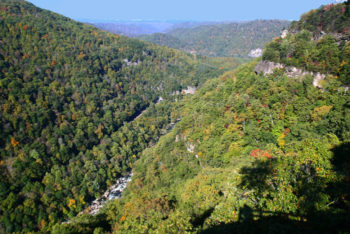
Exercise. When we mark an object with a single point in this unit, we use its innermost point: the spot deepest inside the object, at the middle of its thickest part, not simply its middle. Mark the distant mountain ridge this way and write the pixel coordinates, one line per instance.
(221, 39)
(138, 28)
(133, 29)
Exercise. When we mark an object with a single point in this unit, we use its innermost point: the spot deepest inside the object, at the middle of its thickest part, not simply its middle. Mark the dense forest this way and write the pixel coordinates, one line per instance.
(68, 96)
(332, 18)
(251, 154)
(221, 40)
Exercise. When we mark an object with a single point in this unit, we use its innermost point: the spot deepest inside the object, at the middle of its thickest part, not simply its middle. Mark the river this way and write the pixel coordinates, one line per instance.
(115, 191)
(112, 193)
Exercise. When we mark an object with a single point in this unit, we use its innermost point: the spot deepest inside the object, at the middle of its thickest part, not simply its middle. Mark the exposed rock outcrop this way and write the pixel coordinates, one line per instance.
(129, 63)
(189, 90)
(284, 33)
(190, 147)
(255, 53)
(267, 67)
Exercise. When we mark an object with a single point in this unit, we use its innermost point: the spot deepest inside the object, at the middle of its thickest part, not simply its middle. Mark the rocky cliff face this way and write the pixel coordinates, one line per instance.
(267, 67)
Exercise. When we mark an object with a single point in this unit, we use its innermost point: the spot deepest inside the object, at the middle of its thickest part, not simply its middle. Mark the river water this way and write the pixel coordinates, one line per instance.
(113, 192)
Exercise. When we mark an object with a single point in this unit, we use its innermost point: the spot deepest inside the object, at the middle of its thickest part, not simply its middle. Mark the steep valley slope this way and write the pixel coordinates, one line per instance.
(69, 94)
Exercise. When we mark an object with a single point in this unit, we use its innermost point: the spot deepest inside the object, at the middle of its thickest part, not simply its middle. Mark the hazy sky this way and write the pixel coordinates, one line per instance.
(199, 10)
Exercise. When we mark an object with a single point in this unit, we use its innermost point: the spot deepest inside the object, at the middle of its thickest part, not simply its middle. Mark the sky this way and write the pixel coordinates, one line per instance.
(181, 10)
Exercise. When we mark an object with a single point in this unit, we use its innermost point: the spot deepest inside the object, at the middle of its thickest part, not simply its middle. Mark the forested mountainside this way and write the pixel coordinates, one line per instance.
(68, 96)
(251, 154)
(332, 18)
(319, 42)
(221, 40)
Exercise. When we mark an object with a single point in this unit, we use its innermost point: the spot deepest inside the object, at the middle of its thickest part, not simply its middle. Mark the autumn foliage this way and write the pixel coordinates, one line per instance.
(258, 153)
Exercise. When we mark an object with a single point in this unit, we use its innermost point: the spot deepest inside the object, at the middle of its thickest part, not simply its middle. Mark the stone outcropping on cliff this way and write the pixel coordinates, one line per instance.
(267, 67)
(256, 53)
